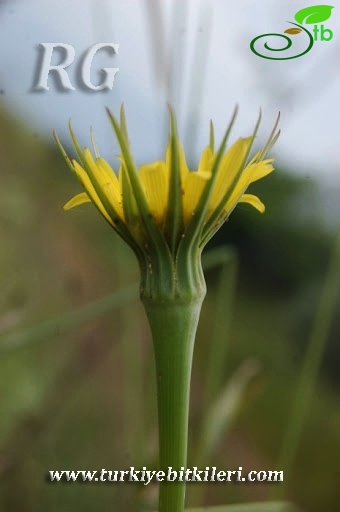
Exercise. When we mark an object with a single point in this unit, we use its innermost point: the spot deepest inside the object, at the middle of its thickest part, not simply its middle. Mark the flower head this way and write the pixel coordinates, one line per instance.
(163, 210)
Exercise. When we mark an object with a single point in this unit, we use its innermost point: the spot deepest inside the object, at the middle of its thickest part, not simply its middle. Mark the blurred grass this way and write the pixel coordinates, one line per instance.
(250, 507)
(62, 402)
(306, 384)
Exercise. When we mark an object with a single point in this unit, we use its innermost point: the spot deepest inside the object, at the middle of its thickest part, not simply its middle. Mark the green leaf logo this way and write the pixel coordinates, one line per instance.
(314, 14)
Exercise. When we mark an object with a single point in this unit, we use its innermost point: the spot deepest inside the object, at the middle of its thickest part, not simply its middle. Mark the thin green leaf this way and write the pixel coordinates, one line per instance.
(76, 144)
(130, 208)
(119, 226)
(94, 143)
(305, 387)
(193, 231)
(271, 139)
(136, 187)
(208, 228)
(221, 415)
(212, 137)
(64, 323)
(123, 125)
(174, 222)
(63, 152)
(157, 246)
(225, 260)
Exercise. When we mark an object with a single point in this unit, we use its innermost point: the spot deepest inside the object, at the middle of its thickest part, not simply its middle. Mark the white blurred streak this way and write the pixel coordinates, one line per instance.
(197, 75)
(159, 51)
(102, 21)
(180, 23)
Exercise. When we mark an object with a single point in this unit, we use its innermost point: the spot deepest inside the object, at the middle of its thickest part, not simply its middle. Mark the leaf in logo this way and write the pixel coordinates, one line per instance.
(314, 14)
(293, 31)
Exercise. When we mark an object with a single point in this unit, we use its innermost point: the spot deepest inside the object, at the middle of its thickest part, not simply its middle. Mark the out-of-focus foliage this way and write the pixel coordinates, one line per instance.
(68, 404)
(287, 247)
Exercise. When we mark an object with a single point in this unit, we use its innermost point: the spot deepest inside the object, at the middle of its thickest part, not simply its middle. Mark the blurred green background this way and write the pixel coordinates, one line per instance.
(86, 399)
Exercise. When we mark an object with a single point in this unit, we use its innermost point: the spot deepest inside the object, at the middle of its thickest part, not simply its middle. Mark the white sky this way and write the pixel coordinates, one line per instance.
(210, 69)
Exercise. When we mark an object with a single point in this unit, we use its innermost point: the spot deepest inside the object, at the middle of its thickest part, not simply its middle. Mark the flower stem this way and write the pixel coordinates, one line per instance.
(173, 325)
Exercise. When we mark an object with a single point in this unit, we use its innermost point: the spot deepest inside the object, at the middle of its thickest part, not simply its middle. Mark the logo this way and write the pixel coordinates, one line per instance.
(313, 15)
(83, 69)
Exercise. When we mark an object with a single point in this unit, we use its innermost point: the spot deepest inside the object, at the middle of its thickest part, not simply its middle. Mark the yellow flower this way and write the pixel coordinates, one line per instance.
(163, 205)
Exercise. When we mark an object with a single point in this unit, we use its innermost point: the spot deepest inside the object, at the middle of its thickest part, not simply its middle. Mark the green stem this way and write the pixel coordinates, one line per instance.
(173, 325)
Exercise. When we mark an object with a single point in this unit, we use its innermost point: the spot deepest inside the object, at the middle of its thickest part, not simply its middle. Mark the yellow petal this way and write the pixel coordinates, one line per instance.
(107, 182)
(77, 200)
(156, 188)
(183, 168)
(228, 169)
(254, 172)
(111, 186)
(206, 160)
(193, 189)
(251, 173)
(254, 201)
(86, 182)
(108, 174)
(102, 172)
